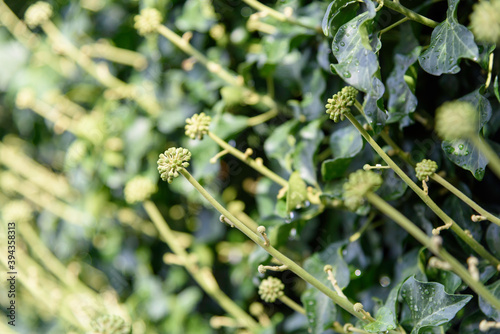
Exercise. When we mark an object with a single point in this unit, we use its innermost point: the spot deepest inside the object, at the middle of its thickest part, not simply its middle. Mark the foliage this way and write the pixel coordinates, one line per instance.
(94, 93)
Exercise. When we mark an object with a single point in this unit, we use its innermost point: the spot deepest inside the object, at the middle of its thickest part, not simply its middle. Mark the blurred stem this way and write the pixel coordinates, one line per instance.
(280, 16)
(115, 54)
(409, 13)
(436, 177)
(488, 152)
(476, 246)
(411, 228)
(291, 304)
(342, 302)
(203, 276)
(262, 118)
(101, 74)
(249, 161)
(213, 67)
(17, 27)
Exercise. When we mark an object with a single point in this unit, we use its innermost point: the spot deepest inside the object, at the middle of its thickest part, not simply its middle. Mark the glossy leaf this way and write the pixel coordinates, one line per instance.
(495, 88)
(429, 304)
(338, 13)
(354, 48)
(309, 138)
(493, 239)
(487, 309)
(450, 42)
(297, 192)
(462, 152)
(384, 321)
(281, 143)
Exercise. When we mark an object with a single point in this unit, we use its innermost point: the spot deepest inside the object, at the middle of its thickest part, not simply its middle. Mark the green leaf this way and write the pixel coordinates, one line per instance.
(309, 138)
(493, 239)
(487, 309)
(495, 88)
(462, 152)
(345, 143)
(320, 309)
(297, 192)
(281, 143)
(402, 101)
(429, 304)
(384, 321)
(358, 64)
(450, 42)
(338, 13)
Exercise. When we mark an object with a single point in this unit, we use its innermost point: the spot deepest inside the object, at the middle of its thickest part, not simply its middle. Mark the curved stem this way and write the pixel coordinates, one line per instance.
(342, 302)
(476, 246)
(249, 161)
(292, 304)
(410, 14)
(442, 181)
(405, 223)
(203, 276)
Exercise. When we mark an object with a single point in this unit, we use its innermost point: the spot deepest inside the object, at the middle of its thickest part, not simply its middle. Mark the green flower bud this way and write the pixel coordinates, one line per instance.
(485, 21)
(37, 14)
(17, 211)
(425, 168)
(340, 103)
(148, 21)
(270, 289)
(172, 161)
(455, 120)
(197, 126)
(110, 324)
(359, 183)
(139, 189)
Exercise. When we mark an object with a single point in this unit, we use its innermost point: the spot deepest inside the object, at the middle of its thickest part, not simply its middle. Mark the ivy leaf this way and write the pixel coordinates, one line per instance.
(309, 138)
(320, 309)
(384, 321)
(297, 192)
(487, 309)
(461, 151)
(493, 239)
(429, 304)
(402, 101)
(450, 42)
(338, 13)
(345, 143)
(281, 144)
(358, 64)
(495, 88)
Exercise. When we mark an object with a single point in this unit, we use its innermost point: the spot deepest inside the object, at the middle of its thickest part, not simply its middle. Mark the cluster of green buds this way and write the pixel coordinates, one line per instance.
(455, 120)
(425, 168)
(110, 324)
(485, 21)
(172, 161)
(37, 14)
(340, 103)
(148, 21)
(197, 126)
(360, 183)
(270, 289)
(139, 189)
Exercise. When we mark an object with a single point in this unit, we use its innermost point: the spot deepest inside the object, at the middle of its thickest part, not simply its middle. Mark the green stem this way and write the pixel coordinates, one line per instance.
(262, 118)
(291, 304)
(249, 161)
(203, 276)
(405, 223)
(410, 14)
(442, 181)
(280, 16)
(476, 246)
(394, 25)
(487, 151)
(342, 302)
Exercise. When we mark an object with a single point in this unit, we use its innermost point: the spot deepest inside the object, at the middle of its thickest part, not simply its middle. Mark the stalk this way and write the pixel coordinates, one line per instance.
(411, 228)
(409, 13)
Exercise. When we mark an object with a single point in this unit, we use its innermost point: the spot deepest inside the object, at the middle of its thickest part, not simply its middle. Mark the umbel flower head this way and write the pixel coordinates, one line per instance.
(37, 14)
(485, 21)
(425, 168)
(270, 289)
(147, 21)
(139, 189)
(17, 211)
(173, 160)
(455, 120)
(197, 126)
(340, 103)
(359, 183)
(110, 324)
